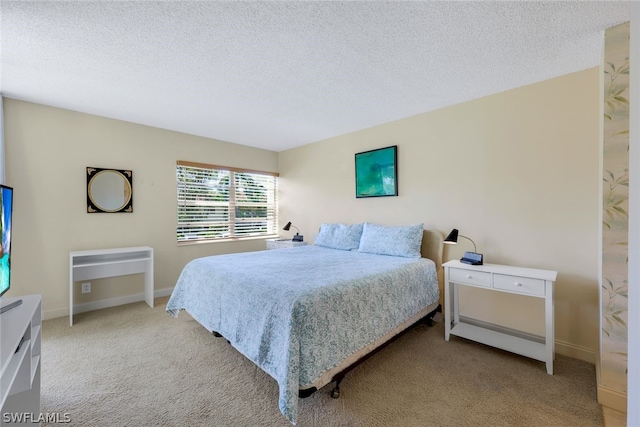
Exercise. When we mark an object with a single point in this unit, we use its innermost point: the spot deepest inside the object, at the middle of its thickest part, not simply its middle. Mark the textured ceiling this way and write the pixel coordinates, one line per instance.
(277, 75)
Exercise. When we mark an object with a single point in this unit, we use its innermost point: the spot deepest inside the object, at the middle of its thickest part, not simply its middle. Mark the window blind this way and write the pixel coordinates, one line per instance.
(217, 202)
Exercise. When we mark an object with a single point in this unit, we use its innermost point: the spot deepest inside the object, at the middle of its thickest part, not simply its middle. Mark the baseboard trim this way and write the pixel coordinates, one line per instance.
(576, 352)
(611, 398)
(104, 303)
(607, 396)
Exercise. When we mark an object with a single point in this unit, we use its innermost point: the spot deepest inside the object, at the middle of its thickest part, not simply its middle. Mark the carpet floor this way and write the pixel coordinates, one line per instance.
(136, 366)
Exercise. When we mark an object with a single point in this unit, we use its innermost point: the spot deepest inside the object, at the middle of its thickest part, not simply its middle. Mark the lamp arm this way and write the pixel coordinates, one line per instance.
(297, 230)
(475, 250)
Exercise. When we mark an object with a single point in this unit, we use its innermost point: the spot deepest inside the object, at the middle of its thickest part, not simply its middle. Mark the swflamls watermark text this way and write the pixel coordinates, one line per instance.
(29, 417)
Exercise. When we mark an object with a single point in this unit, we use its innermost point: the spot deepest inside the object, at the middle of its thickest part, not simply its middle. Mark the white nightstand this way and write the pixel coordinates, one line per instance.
(283, 243)
(501, 278)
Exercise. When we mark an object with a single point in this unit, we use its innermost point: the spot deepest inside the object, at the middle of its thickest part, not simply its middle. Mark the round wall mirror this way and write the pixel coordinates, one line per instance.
(109, 190)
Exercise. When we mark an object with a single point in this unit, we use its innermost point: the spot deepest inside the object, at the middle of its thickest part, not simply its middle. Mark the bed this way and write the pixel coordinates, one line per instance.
(306, 314)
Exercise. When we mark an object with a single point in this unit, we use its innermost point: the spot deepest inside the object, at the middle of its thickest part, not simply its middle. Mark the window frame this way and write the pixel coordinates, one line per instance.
(232, 222)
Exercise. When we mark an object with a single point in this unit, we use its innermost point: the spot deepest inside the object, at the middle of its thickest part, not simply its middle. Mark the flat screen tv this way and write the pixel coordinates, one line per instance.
(6, 206)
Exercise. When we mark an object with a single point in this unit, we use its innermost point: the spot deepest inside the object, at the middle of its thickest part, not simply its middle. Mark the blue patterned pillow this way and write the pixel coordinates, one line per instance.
(339, 236)
(404, 241)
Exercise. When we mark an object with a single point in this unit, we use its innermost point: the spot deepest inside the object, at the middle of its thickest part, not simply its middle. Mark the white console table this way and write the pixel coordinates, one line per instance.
(20, 332)
(101, 263)
(501, 278)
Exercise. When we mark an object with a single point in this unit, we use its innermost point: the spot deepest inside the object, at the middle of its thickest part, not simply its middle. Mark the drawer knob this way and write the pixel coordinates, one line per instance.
(468, 276)
(518, 284)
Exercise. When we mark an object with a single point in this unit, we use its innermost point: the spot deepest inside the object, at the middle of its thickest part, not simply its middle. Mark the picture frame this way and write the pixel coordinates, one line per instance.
(377, 172)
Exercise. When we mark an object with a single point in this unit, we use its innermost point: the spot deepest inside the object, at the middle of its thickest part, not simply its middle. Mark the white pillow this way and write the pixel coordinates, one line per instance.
(339, 236)
(403, 241)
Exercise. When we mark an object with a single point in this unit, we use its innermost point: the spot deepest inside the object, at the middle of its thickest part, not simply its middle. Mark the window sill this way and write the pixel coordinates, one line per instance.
(237, 239)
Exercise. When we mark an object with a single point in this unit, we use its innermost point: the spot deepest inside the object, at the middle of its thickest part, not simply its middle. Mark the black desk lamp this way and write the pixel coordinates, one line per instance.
(472, 258)
(297, 237)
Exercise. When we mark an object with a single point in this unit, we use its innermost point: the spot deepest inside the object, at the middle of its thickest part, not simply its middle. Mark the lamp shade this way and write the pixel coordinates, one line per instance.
(287, 227)
(452, 238)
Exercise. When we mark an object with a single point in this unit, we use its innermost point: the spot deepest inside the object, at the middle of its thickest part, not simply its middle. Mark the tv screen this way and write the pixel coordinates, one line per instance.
(6, 205)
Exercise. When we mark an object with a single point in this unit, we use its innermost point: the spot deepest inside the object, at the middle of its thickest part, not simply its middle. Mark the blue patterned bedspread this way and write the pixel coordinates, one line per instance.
(298, 312)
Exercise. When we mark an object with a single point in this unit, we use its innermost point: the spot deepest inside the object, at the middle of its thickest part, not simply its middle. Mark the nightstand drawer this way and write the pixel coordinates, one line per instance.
(469, 277)
(276, 243)
(283, 243)
(521, 285)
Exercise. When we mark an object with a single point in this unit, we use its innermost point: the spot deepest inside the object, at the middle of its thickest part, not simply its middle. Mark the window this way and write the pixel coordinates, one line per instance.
(217, 202)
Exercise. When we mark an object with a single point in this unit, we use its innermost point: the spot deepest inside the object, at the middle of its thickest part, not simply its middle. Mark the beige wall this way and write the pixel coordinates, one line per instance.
(47, 151)
(518, 172)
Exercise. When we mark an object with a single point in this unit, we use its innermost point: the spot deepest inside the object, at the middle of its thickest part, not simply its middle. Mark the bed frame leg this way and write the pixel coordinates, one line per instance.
(303, 394)
(335, 393)
(428, 319)
(217, 335)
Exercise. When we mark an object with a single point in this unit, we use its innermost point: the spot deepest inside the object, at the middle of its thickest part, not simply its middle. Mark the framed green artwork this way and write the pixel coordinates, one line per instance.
(377, 172)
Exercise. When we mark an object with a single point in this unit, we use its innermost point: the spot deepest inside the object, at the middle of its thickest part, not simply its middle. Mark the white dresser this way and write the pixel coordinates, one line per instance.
(501, 278)
(20, 333)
